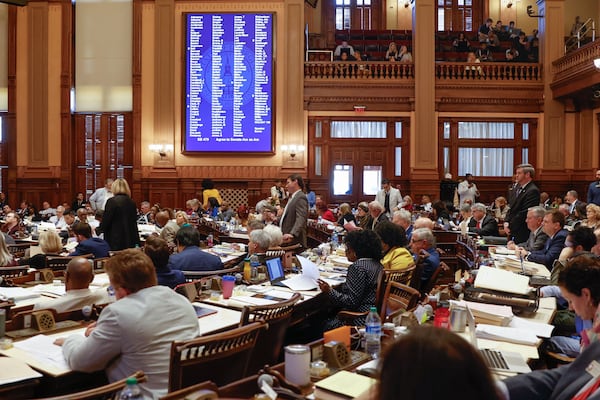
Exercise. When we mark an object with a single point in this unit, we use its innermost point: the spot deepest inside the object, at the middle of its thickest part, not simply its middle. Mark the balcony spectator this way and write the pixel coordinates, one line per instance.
(343, 48)
(513, 32)
(461, 43)
(493, 41)
(472, 71)
(484, 30)
(404, 55)
(483, 54)
(392, 53)
(577, 25)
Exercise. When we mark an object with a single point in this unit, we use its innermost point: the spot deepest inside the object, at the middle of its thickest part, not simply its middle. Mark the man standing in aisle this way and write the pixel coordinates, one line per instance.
(594, 190)
(467, 190)
(98, 199)
(389, 197)
(526, 195)
(294, 216)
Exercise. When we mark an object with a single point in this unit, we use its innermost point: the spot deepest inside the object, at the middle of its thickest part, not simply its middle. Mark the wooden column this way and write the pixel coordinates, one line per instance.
(424, 140)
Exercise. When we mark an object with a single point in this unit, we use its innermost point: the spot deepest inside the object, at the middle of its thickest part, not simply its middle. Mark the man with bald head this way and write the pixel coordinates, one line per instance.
(78, 276)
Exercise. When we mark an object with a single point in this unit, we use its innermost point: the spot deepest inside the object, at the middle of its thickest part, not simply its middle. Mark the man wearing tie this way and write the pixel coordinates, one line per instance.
(526, 195)
(294, 216)
(553, 227)
(481, 223)
(389, 197)
(572, 198)
(537, 238)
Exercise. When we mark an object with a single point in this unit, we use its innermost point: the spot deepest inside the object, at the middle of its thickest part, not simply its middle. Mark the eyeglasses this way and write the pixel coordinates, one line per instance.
(416, 241)
(110, 290)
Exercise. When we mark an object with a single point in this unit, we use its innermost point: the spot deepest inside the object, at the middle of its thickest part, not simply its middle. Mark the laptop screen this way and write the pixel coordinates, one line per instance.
(275, 268)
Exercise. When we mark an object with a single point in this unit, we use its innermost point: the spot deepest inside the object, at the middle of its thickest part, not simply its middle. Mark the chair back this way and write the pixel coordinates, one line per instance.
(59, 263)
(99, 263)
(270, 341)
(18, 249)
(195, 275)
(13, 272)
(401, 276)
(398, 296)
(111, 391)
(222, 356)
(443, 267)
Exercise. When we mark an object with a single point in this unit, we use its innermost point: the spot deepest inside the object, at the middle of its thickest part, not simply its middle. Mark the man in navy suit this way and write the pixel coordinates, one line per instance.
(190, 257)
(526, 195)
(88, 244)
(481, 223)
(552, 225)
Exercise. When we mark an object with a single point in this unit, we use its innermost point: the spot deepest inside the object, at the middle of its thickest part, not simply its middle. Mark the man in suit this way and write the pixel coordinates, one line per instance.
(526, 195)
(403, 218)
(481, 223)
(537, 237)
(572, 198)
(78, 276)
(552, 225)
(389, 197)
(189, 256)
(294, 216)
(88, 244)
(422, 246)
(136, 331)
(377, 212)
(594, 190)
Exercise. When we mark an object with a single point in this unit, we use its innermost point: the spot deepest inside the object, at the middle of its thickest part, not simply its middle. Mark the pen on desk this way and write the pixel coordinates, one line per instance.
(522, 263)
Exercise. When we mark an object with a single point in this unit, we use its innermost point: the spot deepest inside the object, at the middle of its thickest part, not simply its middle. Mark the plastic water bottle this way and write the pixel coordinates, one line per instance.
(334, 240)
(254, 263)
(132, 391)
(373, 333)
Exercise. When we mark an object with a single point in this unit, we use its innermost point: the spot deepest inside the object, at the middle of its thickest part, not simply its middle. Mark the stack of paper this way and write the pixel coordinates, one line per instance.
(530, 268)
(506, 334)
(343, 385)
(504, 281)
(492, 314)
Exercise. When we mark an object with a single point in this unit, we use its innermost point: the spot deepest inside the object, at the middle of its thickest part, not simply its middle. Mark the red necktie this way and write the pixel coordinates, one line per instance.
(478, 226)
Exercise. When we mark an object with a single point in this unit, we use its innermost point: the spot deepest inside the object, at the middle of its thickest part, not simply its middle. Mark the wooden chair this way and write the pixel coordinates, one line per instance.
(106, 392)
(222, 356)
(270, 341)
(401, 276)
(350, 316)
(59, 263)
(13, 272)
(99, 263)
(206, 390)
(398, 296)
(196, 275)
(435, 277)
(18, 250)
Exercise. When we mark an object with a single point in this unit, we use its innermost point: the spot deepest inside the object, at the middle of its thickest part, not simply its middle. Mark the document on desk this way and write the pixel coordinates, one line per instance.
(14, 370)
(308, 279)
(506, 334)
(504, 281)
(50, 289)
(513, 263)
(538, 328)
(42, 349)
(18, 293)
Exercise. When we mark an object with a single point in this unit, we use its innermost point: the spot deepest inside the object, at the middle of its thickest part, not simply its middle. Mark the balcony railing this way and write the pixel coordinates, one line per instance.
(444, 71)
(453, 71)
(358, 70)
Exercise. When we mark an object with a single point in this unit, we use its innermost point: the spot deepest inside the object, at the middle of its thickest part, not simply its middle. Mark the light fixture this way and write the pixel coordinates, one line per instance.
(161, 149)
(597, 63)
(406, 4)
(531, 13)
(292, 150)
(509, 4)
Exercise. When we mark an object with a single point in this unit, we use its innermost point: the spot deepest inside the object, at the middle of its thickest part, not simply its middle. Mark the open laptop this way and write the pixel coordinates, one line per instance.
(497, 360)
(275, 271)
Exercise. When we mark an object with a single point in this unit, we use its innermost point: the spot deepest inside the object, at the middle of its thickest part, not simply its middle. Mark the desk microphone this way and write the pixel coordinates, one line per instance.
(267, 383)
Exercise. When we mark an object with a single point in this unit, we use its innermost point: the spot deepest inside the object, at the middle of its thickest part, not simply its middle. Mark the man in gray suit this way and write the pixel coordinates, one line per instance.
(537, 237)
(294, 216)
(135, 332)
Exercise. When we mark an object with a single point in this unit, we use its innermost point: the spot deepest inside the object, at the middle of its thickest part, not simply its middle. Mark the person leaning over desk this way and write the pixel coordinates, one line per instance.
(135, 332)
(579, 283)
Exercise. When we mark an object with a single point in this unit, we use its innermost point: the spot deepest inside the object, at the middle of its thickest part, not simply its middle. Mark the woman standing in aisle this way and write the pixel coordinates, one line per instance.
(120, 216)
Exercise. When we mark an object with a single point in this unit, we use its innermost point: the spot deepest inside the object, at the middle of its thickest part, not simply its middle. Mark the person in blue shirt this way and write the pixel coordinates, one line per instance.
(311, 197)
(594, 190)
(158, 251)
(88, 244)
(422, 246)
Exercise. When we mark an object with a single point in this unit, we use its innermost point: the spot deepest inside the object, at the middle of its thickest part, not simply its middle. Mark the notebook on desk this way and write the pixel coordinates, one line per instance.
(275, 271)
(497, 360)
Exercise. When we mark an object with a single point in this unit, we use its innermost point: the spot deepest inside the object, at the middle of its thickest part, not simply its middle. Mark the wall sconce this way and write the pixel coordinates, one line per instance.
(509, 4)
(161, 149)
(406, 4)
(292, 150)
(597, 63)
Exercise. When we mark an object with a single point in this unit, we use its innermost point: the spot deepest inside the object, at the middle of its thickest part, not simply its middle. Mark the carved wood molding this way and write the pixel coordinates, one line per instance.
(242, 172)
(31, 172)
(492, 101)
(359, 99)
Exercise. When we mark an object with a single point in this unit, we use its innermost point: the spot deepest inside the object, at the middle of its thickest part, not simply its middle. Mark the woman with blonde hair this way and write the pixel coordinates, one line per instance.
(119, 222)
(50, 244)
(592, 216)
(6, 259)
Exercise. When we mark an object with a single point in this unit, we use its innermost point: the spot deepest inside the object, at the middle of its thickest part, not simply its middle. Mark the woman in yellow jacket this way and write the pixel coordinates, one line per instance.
(393, 242)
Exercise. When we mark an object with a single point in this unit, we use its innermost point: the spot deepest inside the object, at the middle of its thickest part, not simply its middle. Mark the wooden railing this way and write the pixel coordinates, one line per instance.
(444, 71)
(358, 70)
(454, 71)
(577, 61)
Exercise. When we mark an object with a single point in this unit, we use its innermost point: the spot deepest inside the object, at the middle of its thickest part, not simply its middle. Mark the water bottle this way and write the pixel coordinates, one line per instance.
(131, 391)
(334, 240)
(373, 333)
(254, 263)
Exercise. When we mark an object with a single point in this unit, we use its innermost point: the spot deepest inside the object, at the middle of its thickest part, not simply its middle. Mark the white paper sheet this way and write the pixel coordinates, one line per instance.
(506, 334)
(539, 329)
(308, 279)
(18, 293)
(14, 370)
(43, 349)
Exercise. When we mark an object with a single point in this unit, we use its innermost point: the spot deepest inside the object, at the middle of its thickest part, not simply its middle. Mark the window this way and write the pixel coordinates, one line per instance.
(358, 129)
(371, 180)
(353, 14)
(342, 14)
(485, 148)
(342, 180)
(456, 15)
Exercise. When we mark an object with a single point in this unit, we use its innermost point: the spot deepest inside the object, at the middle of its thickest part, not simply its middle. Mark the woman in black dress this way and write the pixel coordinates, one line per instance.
(120, 215)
